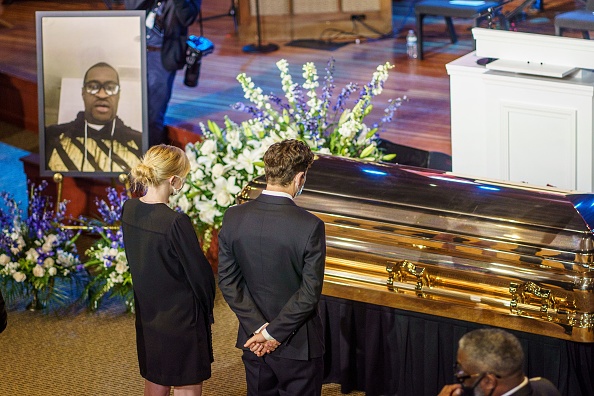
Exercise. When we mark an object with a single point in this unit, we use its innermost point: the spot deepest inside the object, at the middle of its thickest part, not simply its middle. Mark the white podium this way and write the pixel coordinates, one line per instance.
(527, 117)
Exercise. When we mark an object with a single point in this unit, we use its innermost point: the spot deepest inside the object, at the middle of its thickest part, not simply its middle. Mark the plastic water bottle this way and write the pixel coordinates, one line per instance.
(411, 45)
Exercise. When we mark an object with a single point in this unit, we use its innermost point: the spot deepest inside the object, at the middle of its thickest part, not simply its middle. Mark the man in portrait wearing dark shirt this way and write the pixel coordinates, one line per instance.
(97, 140)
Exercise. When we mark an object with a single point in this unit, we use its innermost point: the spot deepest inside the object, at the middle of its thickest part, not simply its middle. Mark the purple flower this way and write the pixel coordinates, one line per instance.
(111, 210)
(393, 105)
(40, 237)
(239, 106)
(344, 95)
(111, 214)
(328, 87)
(278, 101)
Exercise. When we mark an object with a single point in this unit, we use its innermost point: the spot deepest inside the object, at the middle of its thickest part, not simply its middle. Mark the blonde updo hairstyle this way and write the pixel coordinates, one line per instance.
(158, 164)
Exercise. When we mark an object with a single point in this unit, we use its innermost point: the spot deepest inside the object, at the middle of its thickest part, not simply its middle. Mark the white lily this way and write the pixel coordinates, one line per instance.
(246, 159)
(183, 203)
(207, 148)
(225, 190)
(207, 211)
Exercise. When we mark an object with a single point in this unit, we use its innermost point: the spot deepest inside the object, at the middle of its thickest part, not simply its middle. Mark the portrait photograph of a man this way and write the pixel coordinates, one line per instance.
(92, 101)
(97, 140)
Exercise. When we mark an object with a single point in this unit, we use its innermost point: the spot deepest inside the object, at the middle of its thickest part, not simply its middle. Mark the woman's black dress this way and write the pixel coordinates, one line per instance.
(174, 292)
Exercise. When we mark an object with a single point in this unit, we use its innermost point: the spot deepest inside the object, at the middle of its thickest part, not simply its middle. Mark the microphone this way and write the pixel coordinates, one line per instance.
(491, 10)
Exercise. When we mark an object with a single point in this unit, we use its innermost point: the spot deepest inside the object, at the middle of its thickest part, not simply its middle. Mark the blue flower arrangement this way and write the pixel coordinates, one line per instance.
(38, 256)
(107, 263)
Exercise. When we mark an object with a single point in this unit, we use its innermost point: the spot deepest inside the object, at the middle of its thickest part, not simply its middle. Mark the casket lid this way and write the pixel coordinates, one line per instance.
(442, 201)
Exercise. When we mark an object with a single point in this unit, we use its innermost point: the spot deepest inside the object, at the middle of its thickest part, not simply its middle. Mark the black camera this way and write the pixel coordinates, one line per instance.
(196, 48)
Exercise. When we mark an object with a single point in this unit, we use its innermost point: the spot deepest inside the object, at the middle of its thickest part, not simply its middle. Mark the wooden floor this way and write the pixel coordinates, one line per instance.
(424, 122)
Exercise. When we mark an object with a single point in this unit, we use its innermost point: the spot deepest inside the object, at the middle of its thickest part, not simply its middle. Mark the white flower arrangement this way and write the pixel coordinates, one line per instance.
(220, 166)
(228, 158)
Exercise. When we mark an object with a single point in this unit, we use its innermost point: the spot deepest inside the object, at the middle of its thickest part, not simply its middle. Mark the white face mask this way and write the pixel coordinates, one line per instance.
(177, 190)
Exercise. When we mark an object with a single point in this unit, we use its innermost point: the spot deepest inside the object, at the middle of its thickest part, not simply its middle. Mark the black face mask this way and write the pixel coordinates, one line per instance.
(469, 390)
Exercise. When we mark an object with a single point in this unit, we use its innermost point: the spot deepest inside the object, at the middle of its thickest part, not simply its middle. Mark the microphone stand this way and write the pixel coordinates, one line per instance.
(259, 48)
(232, 13)
(490, 13)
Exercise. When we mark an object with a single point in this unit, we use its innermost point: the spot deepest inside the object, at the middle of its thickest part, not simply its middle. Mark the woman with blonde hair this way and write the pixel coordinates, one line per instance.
(174, 285)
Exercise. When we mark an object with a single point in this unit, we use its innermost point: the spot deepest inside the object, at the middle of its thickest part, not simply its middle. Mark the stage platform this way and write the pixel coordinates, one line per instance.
(423, 122)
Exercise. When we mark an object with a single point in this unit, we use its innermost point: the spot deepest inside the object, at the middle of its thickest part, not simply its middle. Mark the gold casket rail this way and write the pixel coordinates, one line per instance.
(504, 254)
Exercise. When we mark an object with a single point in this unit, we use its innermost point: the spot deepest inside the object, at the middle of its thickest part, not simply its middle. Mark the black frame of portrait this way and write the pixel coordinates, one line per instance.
(107, 36)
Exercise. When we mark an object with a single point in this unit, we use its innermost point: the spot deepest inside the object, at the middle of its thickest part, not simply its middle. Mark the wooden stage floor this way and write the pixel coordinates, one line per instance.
(423, 122)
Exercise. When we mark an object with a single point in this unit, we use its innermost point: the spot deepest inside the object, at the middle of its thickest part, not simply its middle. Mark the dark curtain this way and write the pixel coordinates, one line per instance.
(387, 351)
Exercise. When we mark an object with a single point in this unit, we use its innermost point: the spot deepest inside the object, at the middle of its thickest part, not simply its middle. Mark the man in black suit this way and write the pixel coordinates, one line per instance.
(490, 363)
(271, 269)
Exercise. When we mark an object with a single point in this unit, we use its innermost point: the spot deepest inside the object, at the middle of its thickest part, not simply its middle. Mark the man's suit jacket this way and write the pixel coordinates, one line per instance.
(271, 269)
(538, 387)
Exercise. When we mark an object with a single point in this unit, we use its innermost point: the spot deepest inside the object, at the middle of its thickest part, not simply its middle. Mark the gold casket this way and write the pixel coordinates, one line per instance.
(492, 252)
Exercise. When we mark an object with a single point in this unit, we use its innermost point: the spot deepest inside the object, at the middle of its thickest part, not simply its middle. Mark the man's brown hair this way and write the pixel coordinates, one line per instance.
(283, 160)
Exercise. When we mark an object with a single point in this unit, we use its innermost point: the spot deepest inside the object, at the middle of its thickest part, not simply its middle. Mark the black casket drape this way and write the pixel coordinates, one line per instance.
(387, 351)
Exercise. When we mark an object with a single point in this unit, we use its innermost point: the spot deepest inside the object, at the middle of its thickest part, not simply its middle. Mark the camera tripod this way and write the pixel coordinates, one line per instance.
(232, 13)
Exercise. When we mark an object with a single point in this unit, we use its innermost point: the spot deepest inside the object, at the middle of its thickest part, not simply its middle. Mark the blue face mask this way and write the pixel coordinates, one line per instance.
(300, 189)
(298, 193)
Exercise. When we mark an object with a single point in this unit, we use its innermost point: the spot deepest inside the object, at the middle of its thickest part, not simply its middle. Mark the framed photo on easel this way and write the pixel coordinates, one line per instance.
(91, 68)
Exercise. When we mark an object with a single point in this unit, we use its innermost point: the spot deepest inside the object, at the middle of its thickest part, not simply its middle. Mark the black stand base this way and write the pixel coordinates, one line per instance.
(260, 49)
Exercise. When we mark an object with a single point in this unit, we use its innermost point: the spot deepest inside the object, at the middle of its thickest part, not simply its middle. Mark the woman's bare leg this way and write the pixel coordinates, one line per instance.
(152, 389)
(188, 390)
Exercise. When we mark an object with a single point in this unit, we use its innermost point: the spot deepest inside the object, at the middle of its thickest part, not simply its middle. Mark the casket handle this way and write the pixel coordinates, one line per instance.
(522, 292)
(398, 270)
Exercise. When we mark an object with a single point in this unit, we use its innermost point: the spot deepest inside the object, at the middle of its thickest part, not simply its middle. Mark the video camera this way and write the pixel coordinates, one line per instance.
(196, 48)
